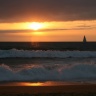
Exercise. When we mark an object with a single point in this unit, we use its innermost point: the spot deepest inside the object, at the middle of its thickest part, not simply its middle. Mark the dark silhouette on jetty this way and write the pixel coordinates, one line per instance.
(83, 46)
(84, 40)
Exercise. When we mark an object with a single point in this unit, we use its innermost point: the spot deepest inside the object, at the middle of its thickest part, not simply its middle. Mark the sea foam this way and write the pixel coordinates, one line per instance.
(45, 54)
(74, 72)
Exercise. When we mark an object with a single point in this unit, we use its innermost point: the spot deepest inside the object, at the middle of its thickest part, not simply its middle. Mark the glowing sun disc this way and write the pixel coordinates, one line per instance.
(36, 26)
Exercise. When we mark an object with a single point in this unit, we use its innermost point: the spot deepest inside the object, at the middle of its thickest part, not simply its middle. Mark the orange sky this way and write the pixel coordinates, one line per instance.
(49, 31)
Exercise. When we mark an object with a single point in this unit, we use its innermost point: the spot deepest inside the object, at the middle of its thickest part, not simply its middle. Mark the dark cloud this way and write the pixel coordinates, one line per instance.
(47, 10)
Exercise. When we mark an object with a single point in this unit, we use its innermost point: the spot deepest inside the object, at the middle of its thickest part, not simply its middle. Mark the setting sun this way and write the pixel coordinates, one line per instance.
(36, 26)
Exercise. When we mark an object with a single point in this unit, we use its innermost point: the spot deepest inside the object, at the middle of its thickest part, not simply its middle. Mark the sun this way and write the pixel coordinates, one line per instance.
(35, 26)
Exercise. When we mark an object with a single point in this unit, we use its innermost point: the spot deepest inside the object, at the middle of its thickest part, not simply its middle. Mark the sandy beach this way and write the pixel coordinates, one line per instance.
(86, 89)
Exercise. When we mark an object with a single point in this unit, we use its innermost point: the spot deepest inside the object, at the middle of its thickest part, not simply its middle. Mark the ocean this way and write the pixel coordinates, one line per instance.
(37, 64)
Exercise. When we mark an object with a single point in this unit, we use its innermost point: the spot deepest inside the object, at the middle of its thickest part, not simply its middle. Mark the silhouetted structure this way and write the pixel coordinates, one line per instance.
(84, 45)
(84, 40)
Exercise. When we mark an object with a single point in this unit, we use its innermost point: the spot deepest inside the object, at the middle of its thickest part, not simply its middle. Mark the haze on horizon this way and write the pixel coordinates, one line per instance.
(60, 20)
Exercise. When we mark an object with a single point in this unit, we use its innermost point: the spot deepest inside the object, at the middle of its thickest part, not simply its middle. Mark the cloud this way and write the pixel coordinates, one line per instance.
(45, 30)
(47, 10)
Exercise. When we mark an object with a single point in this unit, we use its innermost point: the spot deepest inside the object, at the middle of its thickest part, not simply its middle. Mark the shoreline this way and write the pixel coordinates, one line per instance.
(65, 89)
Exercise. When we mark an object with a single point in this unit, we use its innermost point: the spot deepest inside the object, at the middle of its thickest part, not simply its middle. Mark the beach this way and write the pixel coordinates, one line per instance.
(33, 73)
(65, 90)
(47, 47)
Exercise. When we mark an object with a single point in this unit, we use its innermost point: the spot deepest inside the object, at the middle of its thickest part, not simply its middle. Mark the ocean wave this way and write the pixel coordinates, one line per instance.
(14, 53)
(74, 72)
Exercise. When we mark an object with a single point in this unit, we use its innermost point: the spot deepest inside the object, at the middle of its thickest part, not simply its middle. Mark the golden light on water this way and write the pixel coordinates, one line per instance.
(47, 83)
(33, 84)
(37, 83)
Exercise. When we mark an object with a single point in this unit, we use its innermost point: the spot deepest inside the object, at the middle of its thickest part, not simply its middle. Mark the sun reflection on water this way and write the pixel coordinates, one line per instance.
(32, 84)
(47, 83)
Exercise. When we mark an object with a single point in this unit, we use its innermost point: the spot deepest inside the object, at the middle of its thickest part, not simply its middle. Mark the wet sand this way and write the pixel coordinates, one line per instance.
(65, 89)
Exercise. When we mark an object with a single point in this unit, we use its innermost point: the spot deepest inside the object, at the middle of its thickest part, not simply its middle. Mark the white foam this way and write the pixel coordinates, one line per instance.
(73, 72)
(48, 54)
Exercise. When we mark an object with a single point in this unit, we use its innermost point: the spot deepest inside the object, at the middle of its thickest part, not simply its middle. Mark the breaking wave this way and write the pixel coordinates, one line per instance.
(45, 54)
(75, 72)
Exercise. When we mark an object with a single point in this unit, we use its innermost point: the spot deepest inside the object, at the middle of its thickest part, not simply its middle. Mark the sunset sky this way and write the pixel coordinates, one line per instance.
(47, 20)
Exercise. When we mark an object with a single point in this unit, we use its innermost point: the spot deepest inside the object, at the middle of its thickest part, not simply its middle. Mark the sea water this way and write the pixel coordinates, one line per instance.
(50, 65)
